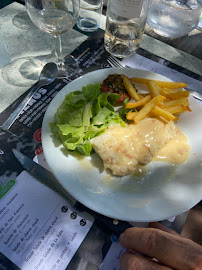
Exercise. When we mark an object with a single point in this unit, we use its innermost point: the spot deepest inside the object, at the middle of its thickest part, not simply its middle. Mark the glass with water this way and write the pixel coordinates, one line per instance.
(125, 25)
(90, 14)
(174, 18)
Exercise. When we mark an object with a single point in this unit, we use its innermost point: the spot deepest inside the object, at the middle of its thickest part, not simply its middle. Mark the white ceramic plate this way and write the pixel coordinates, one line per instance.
(163, 192)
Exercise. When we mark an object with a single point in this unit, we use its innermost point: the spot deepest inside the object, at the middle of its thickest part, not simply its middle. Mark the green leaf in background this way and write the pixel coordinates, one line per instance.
(84, 115)
(91, 91)
(96, 107)
(55, 130)
(94, 131)
(123, 111)
(103, 99)
(65, 128)
(101, 117)
(75, 118)
(112, 98)
(87, 114)
(75, 99)
(85, 149)
(72, 143)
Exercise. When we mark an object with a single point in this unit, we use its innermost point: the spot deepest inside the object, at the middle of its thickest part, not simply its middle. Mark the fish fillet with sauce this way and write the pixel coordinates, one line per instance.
(124, 149)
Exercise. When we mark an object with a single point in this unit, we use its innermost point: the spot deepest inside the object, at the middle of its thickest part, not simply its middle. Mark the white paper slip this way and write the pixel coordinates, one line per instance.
(112, 259)
(39, 230)
(41, 160)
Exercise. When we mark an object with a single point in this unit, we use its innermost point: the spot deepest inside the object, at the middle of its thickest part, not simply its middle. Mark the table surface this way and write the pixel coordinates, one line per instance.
(190, 43)
(36, 44)
(24, 42)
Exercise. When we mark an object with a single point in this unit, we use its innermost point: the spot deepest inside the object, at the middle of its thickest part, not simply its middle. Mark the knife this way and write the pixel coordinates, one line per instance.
(195, 94)
(43, 175)
(47, 178)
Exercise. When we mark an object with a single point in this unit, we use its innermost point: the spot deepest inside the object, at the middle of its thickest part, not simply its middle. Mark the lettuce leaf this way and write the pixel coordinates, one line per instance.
(84, 115)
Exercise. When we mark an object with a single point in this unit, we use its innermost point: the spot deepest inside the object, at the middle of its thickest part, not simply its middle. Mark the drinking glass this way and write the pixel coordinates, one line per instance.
(56, 17)
(125, 24)
(174, 18)
(90, 15)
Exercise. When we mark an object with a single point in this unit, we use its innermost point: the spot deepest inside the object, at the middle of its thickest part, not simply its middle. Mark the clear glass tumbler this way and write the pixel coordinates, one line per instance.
(174, 18)
(90, 14)
(125, 23)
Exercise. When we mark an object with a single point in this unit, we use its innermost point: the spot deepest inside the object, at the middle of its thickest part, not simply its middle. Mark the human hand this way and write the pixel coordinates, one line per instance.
(169, 250)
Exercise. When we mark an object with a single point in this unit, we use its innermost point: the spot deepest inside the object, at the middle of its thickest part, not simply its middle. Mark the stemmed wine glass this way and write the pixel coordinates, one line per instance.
(56, 17)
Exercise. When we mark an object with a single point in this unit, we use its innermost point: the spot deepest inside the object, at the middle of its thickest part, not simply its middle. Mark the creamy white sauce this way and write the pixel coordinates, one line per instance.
(176, 151)
(126, 150)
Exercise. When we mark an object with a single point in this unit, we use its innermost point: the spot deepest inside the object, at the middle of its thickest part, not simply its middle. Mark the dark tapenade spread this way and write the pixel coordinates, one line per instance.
(114, 84)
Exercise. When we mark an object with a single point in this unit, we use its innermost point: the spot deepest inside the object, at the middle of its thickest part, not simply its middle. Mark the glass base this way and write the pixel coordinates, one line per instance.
(87, 24)
(120, 50)
(67, 68)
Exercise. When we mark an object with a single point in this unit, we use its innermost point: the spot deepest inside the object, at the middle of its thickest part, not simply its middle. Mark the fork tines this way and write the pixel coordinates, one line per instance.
(114, 62)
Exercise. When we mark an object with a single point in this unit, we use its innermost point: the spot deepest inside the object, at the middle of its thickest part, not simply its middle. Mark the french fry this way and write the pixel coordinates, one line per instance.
(186, 108)
(170, 85)
(141, 95)
(138, 103)
(130, 88)
(153, 89)
(130, 115)
(166, 100)
(165, 114)
(177, 95)
(153, 115)
(140, 80)
(180, 101)
(148, 108)
(164, 91)
(177, 109)
(176, 118)
(174, 109)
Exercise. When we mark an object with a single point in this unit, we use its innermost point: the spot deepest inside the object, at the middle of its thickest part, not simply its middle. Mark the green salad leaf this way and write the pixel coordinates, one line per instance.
(84, 115)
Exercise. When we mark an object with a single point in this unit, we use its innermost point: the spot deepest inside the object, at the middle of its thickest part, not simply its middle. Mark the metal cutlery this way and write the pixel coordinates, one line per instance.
(114, 62)
(47, 178)
(47, 76)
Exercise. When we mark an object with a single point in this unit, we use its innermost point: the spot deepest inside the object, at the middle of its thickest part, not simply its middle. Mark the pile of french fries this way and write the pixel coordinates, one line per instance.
(164, 100)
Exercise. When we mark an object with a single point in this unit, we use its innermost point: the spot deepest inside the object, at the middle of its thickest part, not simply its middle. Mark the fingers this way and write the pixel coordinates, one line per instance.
(134, 261)
(171, 250)
(162, 228)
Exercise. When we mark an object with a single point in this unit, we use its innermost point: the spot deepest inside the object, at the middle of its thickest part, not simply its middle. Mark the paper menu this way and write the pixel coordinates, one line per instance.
(112, 259)
(39, 229)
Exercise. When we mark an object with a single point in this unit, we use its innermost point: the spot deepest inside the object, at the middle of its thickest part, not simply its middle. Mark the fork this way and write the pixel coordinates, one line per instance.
(114, 62)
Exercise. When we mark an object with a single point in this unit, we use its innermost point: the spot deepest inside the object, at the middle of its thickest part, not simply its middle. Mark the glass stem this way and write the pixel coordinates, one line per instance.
(58, 50)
